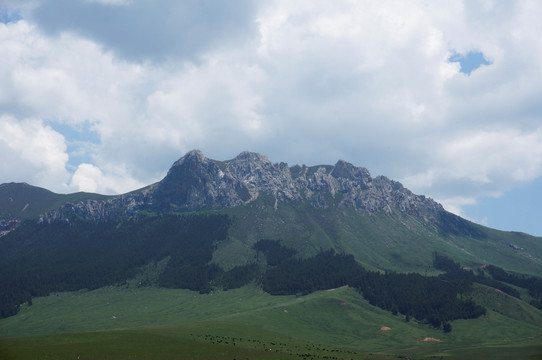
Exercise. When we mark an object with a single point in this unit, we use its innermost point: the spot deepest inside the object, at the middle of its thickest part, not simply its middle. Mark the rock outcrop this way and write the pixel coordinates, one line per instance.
(195, 182)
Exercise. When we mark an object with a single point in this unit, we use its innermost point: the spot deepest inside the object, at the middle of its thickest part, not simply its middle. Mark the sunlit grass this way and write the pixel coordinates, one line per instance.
(119, 323)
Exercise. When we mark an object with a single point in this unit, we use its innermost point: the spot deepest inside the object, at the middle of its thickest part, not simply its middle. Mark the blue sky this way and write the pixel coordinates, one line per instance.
(470, 61)
(104, 95)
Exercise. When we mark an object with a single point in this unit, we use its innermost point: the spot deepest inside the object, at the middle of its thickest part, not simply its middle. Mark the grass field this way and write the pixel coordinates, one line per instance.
(151, 323)
(208, 340)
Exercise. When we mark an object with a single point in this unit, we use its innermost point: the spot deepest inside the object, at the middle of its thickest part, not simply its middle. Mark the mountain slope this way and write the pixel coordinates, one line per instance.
(396, 242)
(21, 201)
(341, 207)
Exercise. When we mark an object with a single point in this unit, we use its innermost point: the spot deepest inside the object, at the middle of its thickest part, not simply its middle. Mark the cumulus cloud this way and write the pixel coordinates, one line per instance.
(303, 82)
(90, 178)
(145, 30)
(68, 78)
(351, 76)
(32, 152)
(479, 164)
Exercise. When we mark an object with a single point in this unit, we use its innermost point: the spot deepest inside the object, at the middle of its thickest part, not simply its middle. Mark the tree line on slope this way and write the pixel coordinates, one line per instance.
(431, 299)
(495, 277)
(38, 259)
(532, 283)
(436, 299)
(455, 272)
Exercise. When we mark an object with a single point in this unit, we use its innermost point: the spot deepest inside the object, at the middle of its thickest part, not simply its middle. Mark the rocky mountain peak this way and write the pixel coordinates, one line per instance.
(195, 182)
(348, 171)
(258, 174)
(249, 166)
(251, 157)
(191, 157)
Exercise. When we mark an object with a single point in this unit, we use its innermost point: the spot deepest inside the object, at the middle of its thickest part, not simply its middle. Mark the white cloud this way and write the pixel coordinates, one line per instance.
(89, 178)
(33, 153)
(66, 78)
(206, 101)
(486, 157)
(483, 164)
(74, 82)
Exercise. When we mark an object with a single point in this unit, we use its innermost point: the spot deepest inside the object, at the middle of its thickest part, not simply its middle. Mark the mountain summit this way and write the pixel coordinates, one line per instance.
(195, 182)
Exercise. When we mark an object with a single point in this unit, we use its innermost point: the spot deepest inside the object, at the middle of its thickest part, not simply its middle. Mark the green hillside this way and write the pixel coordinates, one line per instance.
(22, 201)
(155, 283)
(208, 251)
(379, 241)
(159, 324)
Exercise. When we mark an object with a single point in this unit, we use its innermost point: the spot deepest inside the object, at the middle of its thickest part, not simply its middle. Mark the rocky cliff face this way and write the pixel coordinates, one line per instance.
(195, 182)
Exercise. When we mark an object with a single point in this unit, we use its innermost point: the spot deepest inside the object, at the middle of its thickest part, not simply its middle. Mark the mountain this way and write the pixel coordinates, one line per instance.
(196, 183)
(211, 226)
(383, 224)
(307, 210)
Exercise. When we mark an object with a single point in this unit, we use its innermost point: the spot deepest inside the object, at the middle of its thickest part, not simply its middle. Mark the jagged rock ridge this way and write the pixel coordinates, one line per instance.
(195, 182)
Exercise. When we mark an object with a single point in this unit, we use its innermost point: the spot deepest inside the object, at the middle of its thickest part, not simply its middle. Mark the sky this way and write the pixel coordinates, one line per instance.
(445, 97)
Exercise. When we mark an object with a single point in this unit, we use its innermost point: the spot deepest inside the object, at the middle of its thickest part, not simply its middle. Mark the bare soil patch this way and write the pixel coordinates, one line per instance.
(428, 339)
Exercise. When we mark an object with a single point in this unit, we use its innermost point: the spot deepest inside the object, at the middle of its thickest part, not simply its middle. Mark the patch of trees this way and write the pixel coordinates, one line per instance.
(192, 277)
(275, 253)
(454, 272)
(431, 299)
(302, 276)
(532, 283)
(11, 297)
(498, 278)
(444, 263)
(37, 259)
(239, 276)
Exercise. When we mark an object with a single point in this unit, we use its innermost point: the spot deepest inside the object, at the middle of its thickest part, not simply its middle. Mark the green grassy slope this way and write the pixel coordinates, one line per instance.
(213, 340)
(378, 241)
(22, 201)
(338, 319)
(113, 308)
